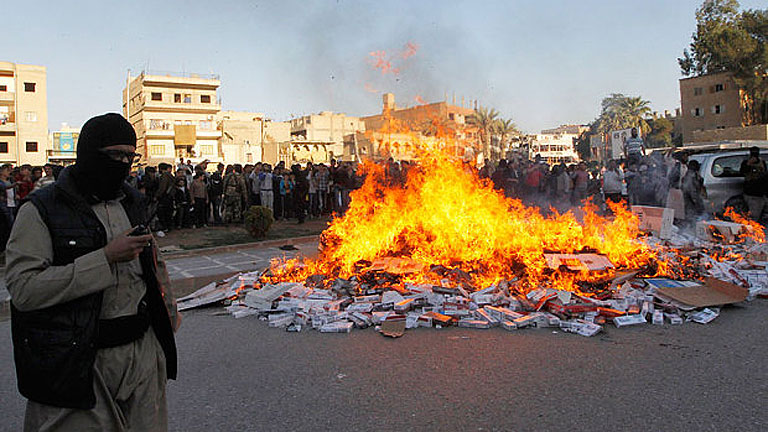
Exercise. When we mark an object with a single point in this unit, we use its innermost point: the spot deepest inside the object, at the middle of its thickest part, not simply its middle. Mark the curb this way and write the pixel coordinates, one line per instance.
(230, 248)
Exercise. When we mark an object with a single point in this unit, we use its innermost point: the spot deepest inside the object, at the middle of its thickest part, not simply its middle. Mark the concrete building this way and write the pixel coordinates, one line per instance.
(326, 130)
(393, 132)
(572, 129)
(709, 102)
(23, 114)
(554, 147)
(63, 145)
(249, 137)
(174, 115)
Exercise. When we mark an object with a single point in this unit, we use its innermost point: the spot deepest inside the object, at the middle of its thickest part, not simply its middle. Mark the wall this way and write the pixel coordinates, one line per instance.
(705, 93)
(749, 133)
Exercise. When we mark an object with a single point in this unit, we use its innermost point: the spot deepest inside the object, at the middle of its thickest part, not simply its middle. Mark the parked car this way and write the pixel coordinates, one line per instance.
(722, 177)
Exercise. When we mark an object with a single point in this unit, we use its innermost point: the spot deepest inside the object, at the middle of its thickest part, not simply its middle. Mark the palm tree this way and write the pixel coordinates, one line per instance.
(484, 119)
(504, 128)
(635, 111)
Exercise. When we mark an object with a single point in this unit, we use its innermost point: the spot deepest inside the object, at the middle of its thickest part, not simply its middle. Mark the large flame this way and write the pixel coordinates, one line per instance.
(444, 214)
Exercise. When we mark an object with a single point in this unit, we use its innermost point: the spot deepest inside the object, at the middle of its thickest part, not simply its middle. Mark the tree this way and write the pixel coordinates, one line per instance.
(484, 119)
(622, 112)
(727, 40)
(661, 133)
(504, 128)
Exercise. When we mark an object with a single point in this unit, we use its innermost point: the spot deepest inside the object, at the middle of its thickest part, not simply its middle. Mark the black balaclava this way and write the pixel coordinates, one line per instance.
(96, 173)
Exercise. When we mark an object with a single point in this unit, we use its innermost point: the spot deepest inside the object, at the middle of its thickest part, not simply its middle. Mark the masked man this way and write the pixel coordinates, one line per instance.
(92, 316)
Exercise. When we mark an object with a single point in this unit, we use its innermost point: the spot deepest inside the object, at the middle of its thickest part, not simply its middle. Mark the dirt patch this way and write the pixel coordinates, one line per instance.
(214, 236)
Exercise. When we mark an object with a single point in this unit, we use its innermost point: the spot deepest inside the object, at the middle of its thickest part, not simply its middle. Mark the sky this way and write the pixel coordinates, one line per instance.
(540, 63)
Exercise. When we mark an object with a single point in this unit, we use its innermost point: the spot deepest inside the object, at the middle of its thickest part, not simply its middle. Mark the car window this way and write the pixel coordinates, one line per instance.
(729, 166)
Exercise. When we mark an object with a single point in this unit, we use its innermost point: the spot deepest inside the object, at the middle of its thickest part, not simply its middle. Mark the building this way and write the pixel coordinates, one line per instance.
(393, 132)
(63, 145)
(323, 133)
(174, 115)
(554, 147)
(709, 102)
(242, 135)
(571, 129)
(23, 114)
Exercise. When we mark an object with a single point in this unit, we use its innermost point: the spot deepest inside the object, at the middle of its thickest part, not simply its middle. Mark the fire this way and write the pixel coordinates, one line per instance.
(444, 215)
(755, 231)
(409, 50)
(419, 100)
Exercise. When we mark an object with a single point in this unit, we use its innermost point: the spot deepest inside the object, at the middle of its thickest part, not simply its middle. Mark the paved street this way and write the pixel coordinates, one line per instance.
(242, 375)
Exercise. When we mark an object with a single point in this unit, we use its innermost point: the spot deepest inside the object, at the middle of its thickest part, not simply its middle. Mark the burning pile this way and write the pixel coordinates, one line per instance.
(441, 247)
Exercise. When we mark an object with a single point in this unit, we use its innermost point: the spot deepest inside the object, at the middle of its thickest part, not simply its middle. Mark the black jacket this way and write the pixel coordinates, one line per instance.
(55, 347)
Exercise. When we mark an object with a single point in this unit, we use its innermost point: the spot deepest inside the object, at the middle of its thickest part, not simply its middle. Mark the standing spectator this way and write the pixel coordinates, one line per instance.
(634, 148)
(300, 191)
(694, 192)
(181, 201)
(7, 216)
(254, 188)
(277, 186)
(199, 201)
(233, 195)
(580, 179)
(243, 187)
(755, 183)
(312, 191)
(149, 183)
(323, 180)
(266, 193)
(612, 180)
(215, 192)
(24, 183)
(165, 197)
(46, 179)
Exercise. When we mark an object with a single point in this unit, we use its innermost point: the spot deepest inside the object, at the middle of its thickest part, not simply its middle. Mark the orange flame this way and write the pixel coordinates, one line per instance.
(755, 231)
(443, 214)
(409, 50)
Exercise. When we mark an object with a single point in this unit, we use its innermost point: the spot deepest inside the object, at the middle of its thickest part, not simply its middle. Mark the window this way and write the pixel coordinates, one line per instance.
(696, 112)
(719, 87)
(3, 88)
(718, 109)
(29, 87)
(698, 91)
(176, 98)
(157, 96)
(31, 146)
(3, 147)
(206, 125)
(207, 149)
(157, 150)
(205, 99)
(31, 116)
(187, 98)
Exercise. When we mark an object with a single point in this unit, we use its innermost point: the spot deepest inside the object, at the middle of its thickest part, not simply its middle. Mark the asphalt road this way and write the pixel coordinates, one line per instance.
(240, 375)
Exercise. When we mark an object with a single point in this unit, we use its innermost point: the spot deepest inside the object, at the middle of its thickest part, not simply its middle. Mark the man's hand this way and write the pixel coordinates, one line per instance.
(126, 248)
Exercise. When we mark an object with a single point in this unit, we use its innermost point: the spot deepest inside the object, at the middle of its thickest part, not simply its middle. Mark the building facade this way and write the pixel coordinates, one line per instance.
(23, 114)
(709, 102)
(323, 133)
(175, 115)
(63, 145)
(554, 148)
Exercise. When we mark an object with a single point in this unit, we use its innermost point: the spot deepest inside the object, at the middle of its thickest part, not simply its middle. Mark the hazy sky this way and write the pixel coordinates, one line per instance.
(541, 63)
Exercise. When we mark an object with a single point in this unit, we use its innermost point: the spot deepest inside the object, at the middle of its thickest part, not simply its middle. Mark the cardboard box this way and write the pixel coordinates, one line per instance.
(721, 231)
(657, 220)
(713, 292)
(578, 262)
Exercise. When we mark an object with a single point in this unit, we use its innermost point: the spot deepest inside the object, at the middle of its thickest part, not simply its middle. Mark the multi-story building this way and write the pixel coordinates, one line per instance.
(174, 115)
(326, 130)
(554, 148)
(249, 137)
(709, 102)
(63, 145)
(23, 114)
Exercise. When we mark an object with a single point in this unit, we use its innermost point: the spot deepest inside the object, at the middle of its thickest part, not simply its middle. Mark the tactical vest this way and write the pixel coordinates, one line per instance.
(55, 347)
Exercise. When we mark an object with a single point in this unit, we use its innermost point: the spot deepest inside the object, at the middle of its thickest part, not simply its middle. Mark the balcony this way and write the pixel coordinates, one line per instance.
(206, 108)
(7, 97)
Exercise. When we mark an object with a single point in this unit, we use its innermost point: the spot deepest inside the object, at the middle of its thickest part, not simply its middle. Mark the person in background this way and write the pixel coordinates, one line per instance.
(24, 183)
(215, 192)
(37, 174)
(634, 148)
(755, 183)
(311, 172)
(266, 193)
(199, 201)
(300, 192)
(165, 197)
(323, 180)
(233, 194)
(181, 201)
(6, 218)
(580, 179)
(612, 180)
(277, 186)
(47, 179)
(255, 185)
(694, 192)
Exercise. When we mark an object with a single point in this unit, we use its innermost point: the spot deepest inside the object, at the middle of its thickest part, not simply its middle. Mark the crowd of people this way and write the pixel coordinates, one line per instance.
(190, 196)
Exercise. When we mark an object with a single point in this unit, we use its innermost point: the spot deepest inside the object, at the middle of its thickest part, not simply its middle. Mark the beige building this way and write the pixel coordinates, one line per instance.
(554, 147)
(709, 102)
(175, 115)
(248, 137)
(326, 130)
(23, 114)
